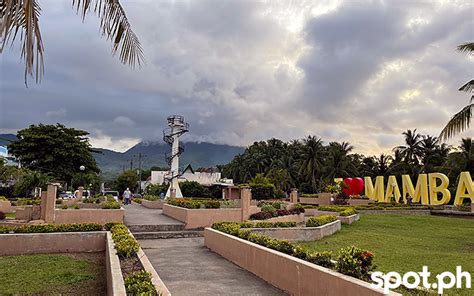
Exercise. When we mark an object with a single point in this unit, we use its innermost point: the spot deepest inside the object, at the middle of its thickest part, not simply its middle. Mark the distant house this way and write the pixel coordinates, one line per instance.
(204, 176)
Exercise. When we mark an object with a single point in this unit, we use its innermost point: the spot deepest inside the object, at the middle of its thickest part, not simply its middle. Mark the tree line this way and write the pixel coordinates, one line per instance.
(309, 164)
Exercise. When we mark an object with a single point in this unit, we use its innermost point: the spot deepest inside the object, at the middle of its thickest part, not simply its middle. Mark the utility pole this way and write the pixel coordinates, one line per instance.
(140, 156)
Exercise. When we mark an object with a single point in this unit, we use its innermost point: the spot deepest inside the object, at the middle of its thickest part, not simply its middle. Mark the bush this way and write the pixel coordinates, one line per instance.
(111, 204)
(351, 261)
(262, 191)
(192, 189)
(46, 228)
(194, 203)
(5, 229)
(355, 262)
(108, 226)
(261, 216)
(125, 244)
(3, 198)
(341, 199)
(156, 189)
(268, 208)
(150, 197)
(322, 259)
(139, 283)
(321, 220)
(348, 212)
(2, 215)
(280, 193)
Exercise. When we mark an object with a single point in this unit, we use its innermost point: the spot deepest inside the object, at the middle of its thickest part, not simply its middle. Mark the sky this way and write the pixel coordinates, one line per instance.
(241, 71)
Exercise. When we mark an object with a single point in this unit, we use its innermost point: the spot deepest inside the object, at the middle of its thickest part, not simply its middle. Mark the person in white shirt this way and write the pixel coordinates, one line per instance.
(127, 194)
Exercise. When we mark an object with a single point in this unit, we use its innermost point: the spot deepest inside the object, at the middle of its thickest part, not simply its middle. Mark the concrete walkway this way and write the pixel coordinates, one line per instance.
(136, 214)
(187, 267)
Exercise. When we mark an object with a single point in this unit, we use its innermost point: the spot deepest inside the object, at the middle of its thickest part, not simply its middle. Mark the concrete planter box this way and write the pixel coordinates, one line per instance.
(343, 219)
(288, 218)
(200, 218)
(155, 204)
(68, 242)
(348, 219)
(322, 199)
(100, 216)
(6, 206)
(360, 202)
(28, 213)
(290, 274)
(300, 233)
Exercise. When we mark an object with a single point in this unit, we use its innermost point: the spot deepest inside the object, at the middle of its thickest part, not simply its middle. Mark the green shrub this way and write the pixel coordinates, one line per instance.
(3, 198)
(337, 209)
(64, 207)
(5, 229)
(151, 197)
(111, 204)
(140, 283)
(322, 259)
(46, 228)
(211, 204)
(321, 220)
(280, 193)
(269, 209)
(355, 262)
(192, 189)
(59, 201)
(125, 244)
(262, 191)
(108, 226)
(137, 200)
(348, 212)
(75, 207)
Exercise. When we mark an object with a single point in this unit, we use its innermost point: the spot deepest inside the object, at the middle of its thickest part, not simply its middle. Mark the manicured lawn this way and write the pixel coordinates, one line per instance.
(405, 243)
(10, 215)
(66, 274)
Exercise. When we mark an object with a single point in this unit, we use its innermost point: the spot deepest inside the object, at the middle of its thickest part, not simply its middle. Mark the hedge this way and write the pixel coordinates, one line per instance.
(47, 228)
(139, 283)
(125, 244)
(267, 214)
(260, 224)
(338, 209)
(351, 261)
(195, 203)
(348, 212)
(321, 220)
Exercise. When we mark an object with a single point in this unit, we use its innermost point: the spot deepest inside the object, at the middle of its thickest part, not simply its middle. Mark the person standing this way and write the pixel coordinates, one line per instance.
(126, 196)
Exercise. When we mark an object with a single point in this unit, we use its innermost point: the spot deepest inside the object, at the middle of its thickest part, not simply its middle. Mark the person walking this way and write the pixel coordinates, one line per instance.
(126, 196)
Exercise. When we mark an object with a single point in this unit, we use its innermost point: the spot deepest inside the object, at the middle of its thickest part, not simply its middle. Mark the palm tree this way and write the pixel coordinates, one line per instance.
(412, 149)
(463, 159)
(461, 120)
(23, 16)
(338, 163)
(382, 165)
(312, 155)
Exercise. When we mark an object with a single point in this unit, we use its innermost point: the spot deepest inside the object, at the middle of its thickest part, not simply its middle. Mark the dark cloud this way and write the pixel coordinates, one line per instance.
(241, 71)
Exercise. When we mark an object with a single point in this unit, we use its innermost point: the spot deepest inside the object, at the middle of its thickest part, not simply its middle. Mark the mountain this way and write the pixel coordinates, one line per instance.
(198, 155)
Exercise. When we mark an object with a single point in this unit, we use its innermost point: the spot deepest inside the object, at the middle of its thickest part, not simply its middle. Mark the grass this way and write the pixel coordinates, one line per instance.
(79, 274)
(10, 215)
(405, 243)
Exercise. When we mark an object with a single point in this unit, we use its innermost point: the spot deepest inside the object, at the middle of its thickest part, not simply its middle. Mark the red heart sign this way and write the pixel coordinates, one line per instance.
(348, 188)
(357, 186)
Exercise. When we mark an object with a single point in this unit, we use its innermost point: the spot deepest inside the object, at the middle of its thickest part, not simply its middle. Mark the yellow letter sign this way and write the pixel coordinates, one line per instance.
(442, 188)
(420, 193)
(465, 183)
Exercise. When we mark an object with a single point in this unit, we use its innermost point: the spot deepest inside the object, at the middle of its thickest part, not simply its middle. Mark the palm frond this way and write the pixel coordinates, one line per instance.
(23, 16)
(116, 27)
(468, 87)
(460, 122)
(467, 47)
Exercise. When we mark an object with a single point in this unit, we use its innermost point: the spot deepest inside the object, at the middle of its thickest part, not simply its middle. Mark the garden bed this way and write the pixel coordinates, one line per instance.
(200, 218)
(300, 233)
(299, 218)
(293, 275)
(53, 274)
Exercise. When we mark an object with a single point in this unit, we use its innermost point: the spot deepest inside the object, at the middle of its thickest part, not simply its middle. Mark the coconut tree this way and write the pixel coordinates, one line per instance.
(23, 16)
(461, 120)
(312, 158)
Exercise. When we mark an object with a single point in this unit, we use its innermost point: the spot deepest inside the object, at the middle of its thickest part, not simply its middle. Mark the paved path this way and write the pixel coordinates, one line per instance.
(136, 214)
(187, 267)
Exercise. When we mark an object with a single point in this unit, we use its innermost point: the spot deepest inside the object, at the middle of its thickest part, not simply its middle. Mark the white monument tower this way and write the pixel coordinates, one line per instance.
(171, 135)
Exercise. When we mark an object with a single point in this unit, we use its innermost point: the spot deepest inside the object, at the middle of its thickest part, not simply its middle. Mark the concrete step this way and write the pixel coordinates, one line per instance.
(168, 234)
(155, 228)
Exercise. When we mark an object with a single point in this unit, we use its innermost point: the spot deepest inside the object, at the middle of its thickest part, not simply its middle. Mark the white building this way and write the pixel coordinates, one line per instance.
(205, 177)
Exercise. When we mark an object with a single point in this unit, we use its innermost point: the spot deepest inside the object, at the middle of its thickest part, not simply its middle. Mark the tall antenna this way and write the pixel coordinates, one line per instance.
(177, 127)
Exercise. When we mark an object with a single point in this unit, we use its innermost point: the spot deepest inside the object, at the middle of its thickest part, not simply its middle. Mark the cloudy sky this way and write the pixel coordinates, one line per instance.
(240, 71)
